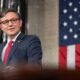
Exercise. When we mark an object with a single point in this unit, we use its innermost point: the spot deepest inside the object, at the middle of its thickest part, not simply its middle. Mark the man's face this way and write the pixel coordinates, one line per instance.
(11, 24)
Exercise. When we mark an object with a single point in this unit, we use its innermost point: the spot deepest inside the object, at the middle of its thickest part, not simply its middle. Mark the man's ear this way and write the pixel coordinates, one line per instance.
(21, 22)
(0, 27)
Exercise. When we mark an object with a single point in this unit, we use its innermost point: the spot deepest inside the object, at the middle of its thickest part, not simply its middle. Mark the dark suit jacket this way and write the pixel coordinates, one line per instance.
(26, 49)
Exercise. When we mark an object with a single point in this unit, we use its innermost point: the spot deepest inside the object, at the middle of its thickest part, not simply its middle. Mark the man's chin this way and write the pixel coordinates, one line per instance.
(11, 34)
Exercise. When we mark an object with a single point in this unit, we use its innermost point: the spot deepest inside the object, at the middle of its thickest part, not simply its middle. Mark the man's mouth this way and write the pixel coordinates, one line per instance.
(11, 29)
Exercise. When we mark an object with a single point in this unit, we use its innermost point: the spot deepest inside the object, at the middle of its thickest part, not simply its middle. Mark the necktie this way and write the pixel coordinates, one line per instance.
(7, 51)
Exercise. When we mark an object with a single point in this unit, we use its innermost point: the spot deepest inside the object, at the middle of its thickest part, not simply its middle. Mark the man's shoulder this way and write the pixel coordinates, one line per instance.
(30, 37)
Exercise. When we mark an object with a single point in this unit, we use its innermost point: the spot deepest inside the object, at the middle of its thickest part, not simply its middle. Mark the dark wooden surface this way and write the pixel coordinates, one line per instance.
(31, 73)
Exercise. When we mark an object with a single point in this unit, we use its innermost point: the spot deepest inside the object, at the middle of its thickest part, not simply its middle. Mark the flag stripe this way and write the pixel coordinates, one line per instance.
(71, 57)
(62, 57)
(77, 56)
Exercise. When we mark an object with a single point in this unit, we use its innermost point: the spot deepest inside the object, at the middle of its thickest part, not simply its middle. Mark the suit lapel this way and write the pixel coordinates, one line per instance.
(15, 46)
(1, 49)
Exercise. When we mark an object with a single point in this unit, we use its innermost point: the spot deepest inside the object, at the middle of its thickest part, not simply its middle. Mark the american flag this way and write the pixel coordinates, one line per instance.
(69, 34)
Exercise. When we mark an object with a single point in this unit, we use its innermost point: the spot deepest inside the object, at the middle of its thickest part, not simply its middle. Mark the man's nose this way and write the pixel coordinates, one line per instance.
(9, 23)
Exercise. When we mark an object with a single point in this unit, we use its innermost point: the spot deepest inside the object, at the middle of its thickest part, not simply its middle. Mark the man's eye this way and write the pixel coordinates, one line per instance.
(13, 19)
(6, 21)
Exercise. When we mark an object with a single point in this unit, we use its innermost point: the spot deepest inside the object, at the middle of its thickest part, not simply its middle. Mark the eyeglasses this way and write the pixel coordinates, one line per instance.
(6, 22)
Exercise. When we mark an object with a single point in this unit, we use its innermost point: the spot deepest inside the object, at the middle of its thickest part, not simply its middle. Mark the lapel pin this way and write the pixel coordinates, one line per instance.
(18, 41)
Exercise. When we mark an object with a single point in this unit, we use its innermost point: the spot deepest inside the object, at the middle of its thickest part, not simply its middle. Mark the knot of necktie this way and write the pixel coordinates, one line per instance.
(10, 43)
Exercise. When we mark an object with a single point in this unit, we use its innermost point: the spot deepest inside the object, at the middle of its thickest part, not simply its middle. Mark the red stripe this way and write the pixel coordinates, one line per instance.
(63, 57)
(77, 56)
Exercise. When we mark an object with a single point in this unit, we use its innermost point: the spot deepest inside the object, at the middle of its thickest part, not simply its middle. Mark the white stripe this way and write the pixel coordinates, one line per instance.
(71, 57)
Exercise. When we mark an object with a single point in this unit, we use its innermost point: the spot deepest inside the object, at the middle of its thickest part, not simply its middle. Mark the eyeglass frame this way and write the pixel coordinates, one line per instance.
(6, 22)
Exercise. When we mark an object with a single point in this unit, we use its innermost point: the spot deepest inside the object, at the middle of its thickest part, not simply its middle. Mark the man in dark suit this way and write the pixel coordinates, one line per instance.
(26, 49)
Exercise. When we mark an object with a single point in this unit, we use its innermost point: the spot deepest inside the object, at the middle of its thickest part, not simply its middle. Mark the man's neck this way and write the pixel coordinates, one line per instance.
(14, 37)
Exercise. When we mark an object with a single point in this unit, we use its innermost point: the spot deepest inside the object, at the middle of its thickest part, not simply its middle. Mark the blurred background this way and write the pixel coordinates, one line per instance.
(40, 18)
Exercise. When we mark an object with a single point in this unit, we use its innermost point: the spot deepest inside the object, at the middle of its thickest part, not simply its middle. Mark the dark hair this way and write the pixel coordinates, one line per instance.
(2, 14)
